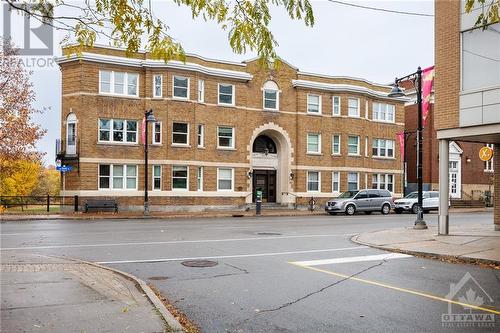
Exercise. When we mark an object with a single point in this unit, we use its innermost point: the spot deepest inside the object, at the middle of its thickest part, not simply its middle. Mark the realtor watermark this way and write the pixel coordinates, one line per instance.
(32, 38)
(468, 313)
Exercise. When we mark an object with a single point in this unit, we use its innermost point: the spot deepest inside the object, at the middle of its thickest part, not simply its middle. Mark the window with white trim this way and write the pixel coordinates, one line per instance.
(352, 181)
(313, 181)
(336, 105)
(225, 137)
(117, 130)
(353, 107)
(226, 94)
(117, 177)
(366, 110)
(336, 144)
(488, 165)
(384, 112)
(179, 177)
(336, 181)
(201, 91)
(313, 104)
(353, 145)
(313, 143)
(118, 83)
(383, 182)
(366, 146)
(156, 177)
(383, 148)
(156, 133)
(157, 86)
(180, 87)
(270, 96)
(201, 136)
(225, 179)
(199, 178)
(180, 134)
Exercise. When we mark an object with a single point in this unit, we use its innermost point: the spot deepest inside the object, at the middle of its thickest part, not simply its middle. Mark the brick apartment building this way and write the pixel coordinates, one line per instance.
(470, 178)
(467, 90)
(223, 130)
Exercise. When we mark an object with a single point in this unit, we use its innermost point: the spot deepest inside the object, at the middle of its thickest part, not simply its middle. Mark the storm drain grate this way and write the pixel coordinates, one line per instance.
(199, 263)
(269, 234)
(158, 278)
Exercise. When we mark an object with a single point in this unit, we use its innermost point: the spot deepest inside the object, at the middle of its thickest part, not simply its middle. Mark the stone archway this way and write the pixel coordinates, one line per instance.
(282, 163)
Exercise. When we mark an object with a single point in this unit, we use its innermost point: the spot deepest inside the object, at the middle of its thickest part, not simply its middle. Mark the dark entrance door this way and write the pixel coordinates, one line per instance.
(265, 180)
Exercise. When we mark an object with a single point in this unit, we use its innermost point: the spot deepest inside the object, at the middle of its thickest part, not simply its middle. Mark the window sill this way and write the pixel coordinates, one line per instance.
(157, 98)
(314, 114)
(383, 122)
(383, 158)
(271, 110)
(201, 147)
(354, 155)
(156, 145)
(336, 155)
(180, 190)
(119, 95)
(354, 117)
(181, 99)
(105, 143)
(314, 154)
(336, 115)
(227, 105)
(180, 145)
(226, 148)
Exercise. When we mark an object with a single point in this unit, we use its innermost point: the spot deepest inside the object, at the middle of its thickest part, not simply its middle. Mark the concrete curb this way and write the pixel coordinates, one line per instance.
(173, 324)
(428, 255)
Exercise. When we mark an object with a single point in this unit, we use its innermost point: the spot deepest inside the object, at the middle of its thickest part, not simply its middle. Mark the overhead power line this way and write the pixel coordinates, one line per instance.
(381, 9)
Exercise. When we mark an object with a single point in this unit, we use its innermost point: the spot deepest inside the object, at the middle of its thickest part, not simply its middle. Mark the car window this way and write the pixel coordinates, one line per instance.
(362, 195)
(434, 194)
(373, 194)
(412, 195)
(348, 194)
(426, 195)
(385, 193)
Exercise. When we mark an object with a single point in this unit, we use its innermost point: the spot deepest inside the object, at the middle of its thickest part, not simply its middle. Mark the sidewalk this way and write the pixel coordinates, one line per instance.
(46, 294)
(175, 215)
(477, 243)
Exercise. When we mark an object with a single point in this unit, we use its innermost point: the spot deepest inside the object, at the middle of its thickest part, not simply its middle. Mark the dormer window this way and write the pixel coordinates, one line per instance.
(270, 96)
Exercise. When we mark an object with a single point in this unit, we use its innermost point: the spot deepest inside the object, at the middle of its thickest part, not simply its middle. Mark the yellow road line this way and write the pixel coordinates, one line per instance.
(413, 292)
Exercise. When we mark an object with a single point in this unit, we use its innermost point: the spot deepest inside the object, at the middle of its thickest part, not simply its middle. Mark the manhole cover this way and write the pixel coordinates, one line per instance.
(158, 278)
(199, 263)
(269, 233)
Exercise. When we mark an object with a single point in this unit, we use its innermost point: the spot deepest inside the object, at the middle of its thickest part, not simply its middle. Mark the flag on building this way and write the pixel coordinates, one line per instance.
(143, 130)
(401, 139)
(427, 84)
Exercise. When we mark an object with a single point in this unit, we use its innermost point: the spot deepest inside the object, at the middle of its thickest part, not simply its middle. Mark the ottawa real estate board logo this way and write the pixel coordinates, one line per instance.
(468, 292)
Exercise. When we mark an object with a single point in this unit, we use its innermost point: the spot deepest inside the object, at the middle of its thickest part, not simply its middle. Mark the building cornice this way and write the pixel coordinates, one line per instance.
(149, 63)
(386, 86)
(344, 88)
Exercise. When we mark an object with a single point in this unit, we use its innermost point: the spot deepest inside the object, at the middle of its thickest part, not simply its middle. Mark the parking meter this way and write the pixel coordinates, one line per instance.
(258, 201)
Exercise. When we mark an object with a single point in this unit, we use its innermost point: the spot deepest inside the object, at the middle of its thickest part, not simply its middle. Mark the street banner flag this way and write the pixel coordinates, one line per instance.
(401, 139)
(143, 131)
(427, 83)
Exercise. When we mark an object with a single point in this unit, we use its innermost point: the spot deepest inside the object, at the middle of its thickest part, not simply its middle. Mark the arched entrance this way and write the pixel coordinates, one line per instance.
(270, 158)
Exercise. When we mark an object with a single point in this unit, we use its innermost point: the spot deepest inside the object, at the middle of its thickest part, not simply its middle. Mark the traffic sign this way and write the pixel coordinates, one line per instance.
(485, 153)
(64, 168)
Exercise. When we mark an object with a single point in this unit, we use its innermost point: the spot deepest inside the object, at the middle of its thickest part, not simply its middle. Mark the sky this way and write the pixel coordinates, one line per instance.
(345, 41)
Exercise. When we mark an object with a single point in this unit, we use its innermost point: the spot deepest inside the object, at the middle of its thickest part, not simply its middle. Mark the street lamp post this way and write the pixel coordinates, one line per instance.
(149, 117)
(416, 78)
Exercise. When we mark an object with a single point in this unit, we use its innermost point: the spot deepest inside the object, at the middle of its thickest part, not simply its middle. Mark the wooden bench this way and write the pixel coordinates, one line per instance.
(101, 204)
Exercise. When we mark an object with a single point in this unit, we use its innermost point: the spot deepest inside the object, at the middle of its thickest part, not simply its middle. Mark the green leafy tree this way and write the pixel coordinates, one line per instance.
(127, 23)
(489, 13)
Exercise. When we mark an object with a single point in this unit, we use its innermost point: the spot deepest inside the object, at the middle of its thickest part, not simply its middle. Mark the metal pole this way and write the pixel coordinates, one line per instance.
(146, 199)
(419, 222)
(444, 187)
(48, 203)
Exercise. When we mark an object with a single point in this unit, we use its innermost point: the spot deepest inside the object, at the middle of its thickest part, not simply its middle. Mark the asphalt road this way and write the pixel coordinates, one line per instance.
(280, 274)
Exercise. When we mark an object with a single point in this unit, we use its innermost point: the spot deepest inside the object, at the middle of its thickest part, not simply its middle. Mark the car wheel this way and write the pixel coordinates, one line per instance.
(386, 209)
(398, 211)
(368, 212)
(414, 209)
(350, 210)
(332, 213)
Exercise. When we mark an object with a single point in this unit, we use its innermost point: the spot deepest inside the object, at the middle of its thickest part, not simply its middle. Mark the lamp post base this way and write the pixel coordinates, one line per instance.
(146, 208)
(420, 224)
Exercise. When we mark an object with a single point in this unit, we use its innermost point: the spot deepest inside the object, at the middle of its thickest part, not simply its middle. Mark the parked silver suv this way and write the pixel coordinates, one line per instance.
(367, 201)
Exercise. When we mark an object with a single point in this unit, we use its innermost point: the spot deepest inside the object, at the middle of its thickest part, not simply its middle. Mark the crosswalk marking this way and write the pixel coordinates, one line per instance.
(385, 256)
